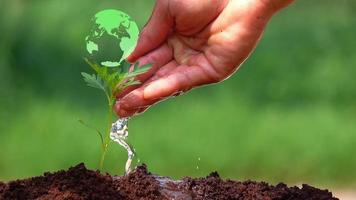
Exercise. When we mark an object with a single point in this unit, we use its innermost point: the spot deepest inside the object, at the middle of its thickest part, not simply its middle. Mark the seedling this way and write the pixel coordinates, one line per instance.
(112, 38)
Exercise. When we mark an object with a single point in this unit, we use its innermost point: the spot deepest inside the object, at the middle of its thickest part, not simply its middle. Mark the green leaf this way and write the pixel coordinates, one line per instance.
(93, 65)
(125, 66)
(96, 130)
(94, 81)
(102, 71)
(114, 79)
(131, 82)
(138, 70)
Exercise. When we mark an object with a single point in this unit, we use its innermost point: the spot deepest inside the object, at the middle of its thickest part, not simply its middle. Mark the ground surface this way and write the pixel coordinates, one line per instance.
(79, 183)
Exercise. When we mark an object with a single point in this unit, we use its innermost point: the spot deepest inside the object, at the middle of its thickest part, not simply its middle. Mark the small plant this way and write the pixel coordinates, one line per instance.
(112, 81)
(112, 38)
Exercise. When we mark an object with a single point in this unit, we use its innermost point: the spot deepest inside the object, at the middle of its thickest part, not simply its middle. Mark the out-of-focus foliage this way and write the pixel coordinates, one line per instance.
(288, 115)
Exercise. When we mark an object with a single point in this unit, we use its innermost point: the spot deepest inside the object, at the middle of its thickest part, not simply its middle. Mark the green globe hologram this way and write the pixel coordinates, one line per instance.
(112, 38)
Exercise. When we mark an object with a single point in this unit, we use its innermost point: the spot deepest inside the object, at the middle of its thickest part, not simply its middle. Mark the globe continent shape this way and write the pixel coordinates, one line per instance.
(112, 38)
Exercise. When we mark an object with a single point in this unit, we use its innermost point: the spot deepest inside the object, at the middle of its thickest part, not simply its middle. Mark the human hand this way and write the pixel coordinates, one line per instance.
(193, 43)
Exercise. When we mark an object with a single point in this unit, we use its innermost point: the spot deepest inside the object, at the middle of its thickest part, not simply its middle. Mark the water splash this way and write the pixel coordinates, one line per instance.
(119, 133)
(170, 189)
(198, 163)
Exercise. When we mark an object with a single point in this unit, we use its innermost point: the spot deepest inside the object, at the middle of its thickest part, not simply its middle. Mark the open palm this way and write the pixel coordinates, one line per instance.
(193, 43)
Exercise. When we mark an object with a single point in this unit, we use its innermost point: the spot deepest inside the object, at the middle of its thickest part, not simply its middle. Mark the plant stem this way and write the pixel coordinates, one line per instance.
(107, 136)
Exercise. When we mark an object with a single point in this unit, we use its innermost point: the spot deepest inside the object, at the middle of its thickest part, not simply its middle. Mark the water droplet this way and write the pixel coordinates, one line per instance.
(198, 163)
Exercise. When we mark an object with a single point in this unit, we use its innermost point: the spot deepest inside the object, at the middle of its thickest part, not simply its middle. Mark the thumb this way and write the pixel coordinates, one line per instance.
(155, 32)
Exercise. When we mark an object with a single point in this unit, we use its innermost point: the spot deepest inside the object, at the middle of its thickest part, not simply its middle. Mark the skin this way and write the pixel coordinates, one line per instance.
(193, 43)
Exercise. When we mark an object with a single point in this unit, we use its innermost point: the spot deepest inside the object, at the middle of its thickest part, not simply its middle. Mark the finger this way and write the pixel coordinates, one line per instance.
(163, 71)
(158, 57)
(182, 79)
(155, 32)
(191, 16)
(159, 74)
(124, 113)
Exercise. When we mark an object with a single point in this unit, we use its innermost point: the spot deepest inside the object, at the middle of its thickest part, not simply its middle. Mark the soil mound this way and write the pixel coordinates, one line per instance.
(78, 183)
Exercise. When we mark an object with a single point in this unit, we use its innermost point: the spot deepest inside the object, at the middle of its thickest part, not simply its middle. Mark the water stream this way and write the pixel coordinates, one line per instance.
(119, 133)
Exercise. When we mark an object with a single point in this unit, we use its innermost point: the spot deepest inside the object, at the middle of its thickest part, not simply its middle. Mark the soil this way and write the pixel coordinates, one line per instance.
(78, 183)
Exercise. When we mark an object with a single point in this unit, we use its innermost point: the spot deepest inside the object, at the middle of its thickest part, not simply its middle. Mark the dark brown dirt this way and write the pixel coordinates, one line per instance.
(80, 183)
(2, 187)
(76, 183)
(213, 187)
(138, 185)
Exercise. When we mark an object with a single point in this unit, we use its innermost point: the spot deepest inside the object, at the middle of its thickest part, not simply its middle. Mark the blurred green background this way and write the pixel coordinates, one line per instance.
(288, 115)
